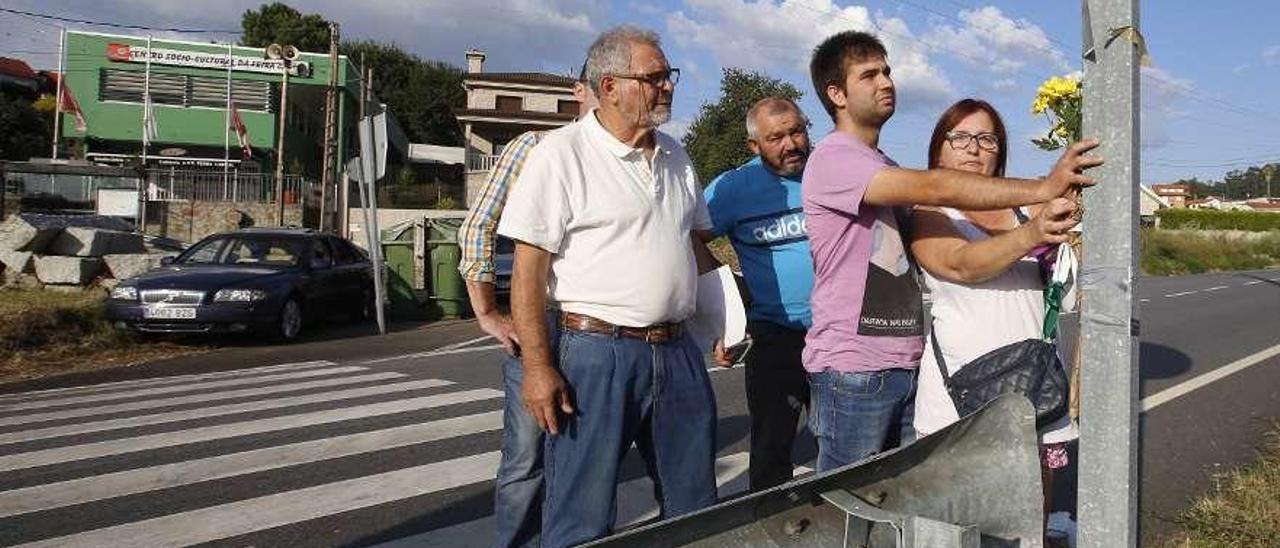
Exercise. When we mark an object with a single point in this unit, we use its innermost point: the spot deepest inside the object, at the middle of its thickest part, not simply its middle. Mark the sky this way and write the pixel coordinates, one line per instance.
(1208, 102)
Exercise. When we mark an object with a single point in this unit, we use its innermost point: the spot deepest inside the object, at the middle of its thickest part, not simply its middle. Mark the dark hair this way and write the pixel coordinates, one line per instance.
(831, 60)
(952, 116)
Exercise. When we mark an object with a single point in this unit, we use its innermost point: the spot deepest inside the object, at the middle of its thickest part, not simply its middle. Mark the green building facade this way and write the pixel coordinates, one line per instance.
(188, 83)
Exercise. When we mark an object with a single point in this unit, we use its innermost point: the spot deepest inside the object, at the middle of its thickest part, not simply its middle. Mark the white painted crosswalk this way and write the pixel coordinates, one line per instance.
(251, 451)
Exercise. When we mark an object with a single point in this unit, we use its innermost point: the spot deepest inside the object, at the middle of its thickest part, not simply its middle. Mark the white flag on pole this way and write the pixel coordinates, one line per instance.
(153, 131)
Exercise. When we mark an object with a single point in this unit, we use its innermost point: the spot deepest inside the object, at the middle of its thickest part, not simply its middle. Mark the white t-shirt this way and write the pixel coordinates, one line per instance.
(970, 320)
(617, 223)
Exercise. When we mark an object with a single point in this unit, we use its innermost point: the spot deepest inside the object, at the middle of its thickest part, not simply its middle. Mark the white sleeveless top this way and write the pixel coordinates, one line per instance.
(973, 319)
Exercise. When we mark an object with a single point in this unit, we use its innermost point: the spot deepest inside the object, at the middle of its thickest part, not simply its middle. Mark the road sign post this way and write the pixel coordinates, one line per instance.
(369, 175)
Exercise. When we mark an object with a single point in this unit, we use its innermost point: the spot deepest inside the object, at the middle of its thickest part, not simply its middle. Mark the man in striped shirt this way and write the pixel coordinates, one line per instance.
(518, 489)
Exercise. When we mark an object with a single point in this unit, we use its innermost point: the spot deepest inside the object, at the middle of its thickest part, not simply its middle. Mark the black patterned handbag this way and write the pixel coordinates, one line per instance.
(1029, 367)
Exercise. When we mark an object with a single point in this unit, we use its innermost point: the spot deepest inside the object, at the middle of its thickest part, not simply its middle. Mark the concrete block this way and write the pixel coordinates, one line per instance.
(67, 270)
(19, 234)
(95, 242)
(33, 231)
(16, 262)
(64, 288)
(18, 280)
(129, 265)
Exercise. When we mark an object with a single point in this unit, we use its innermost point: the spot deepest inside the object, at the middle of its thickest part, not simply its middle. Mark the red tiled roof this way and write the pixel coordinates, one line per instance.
(532, 78)
(16, 68)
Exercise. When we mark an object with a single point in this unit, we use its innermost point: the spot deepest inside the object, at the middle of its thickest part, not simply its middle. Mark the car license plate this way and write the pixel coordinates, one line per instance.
(169, 313)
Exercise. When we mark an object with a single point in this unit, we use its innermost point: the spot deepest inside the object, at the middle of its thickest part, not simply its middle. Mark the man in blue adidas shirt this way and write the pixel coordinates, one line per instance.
(758, 206)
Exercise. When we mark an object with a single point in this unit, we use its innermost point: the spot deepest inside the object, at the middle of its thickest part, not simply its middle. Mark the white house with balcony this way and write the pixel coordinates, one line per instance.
(501, 106)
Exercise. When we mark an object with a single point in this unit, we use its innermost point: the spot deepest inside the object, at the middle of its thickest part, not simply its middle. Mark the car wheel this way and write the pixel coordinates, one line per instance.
(289, 324)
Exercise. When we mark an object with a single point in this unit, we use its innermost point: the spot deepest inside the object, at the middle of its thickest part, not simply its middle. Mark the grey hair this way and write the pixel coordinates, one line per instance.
(611, 52)
(775, 104)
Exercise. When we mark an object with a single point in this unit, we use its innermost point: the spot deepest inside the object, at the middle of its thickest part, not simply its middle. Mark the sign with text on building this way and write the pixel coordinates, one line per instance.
(126, 53)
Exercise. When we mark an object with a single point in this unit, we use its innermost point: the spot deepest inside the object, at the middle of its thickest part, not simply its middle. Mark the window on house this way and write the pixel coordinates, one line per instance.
(567, 107)
(508, 103)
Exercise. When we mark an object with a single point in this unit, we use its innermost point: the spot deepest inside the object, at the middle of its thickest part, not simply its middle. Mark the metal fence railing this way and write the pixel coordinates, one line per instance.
(481, 162)
(172, 185)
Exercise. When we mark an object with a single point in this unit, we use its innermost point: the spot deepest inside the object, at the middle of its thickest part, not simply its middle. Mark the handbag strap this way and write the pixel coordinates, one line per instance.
(937, 353)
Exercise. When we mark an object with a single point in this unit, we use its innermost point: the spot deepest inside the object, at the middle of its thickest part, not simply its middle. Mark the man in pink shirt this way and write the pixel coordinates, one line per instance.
(867, 336)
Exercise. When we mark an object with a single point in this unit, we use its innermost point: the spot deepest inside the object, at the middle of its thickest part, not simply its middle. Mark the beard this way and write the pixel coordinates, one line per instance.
(659, 115)
(781, 167)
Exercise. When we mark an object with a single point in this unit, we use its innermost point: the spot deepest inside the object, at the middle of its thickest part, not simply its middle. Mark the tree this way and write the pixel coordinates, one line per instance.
(422, 94)
(24, 131)
(717, 138)
(278, 23)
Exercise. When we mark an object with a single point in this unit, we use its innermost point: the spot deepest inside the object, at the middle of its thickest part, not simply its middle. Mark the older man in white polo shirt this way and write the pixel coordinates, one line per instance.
(602, 215)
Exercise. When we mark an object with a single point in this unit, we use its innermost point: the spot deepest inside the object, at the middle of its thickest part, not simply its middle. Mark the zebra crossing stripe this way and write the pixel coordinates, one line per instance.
(218, 411)
(128, 482)
(257, 514)
(157, 381)
(59, 455)
(185, 387)
(198, 398)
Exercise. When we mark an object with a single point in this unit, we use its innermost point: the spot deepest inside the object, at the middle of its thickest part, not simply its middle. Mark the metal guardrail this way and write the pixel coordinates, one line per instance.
(973, 483)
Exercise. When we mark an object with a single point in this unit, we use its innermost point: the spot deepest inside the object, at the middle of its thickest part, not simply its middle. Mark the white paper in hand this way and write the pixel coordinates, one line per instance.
(720, 313)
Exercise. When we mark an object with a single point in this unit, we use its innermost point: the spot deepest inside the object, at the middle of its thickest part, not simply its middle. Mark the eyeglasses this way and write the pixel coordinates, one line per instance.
(959, 140)
(655, 79)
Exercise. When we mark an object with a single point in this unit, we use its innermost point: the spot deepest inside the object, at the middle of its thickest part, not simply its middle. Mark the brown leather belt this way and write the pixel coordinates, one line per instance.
(658, 333)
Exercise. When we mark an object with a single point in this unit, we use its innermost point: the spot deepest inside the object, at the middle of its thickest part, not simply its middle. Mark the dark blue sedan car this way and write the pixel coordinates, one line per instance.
(264, 280)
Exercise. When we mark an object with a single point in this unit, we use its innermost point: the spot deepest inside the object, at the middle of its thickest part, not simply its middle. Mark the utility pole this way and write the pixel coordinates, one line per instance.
(1108, 483)
(1269, 171)
(330, 125)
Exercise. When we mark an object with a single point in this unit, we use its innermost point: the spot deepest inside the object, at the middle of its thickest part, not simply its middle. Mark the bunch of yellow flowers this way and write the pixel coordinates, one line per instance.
(1059, 99)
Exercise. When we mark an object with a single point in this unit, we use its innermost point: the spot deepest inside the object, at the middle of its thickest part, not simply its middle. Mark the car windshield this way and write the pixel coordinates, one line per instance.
(235, 250)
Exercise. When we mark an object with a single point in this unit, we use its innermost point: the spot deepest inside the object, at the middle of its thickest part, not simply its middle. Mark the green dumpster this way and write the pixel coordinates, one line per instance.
(448, 291)
(402, 273)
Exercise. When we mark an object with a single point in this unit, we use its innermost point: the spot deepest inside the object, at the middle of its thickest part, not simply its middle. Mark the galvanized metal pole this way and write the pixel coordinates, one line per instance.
(57, 109)
(1108, 492)
(368, 198)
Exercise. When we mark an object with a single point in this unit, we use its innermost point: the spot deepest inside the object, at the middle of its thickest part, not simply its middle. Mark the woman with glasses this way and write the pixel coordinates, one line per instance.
(982, 271)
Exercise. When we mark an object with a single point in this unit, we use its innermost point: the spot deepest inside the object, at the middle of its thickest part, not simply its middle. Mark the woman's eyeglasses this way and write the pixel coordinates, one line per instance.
(959, 140)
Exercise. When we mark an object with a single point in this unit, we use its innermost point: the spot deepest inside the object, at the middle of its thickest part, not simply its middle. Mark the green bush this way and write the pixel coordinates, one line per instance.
(1208, 219)
(1166, 253)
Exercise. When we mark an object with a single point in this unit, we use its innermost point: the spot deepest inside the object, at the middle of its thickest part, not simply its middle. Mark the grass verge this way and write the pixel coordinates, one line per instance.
(46, 333)
(1171, 253)
(1243, 509)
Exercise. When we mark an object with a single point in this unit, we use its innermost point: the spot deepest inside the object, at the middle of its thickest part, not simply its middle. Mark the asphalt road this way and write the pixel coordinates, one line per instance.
(392, 440)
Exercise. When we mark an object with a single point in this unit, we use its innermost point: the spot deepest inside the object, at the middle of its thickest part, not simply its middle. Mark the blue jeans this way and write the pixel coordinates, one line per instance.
(517, 504)
(623, 391)
(856, 415)
(518, 489)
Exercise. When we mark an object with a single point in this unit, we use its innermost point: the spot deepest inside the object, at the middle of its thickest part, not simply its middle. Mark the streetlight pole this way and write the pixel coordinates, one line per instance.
(286, 54)
(284, 107)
